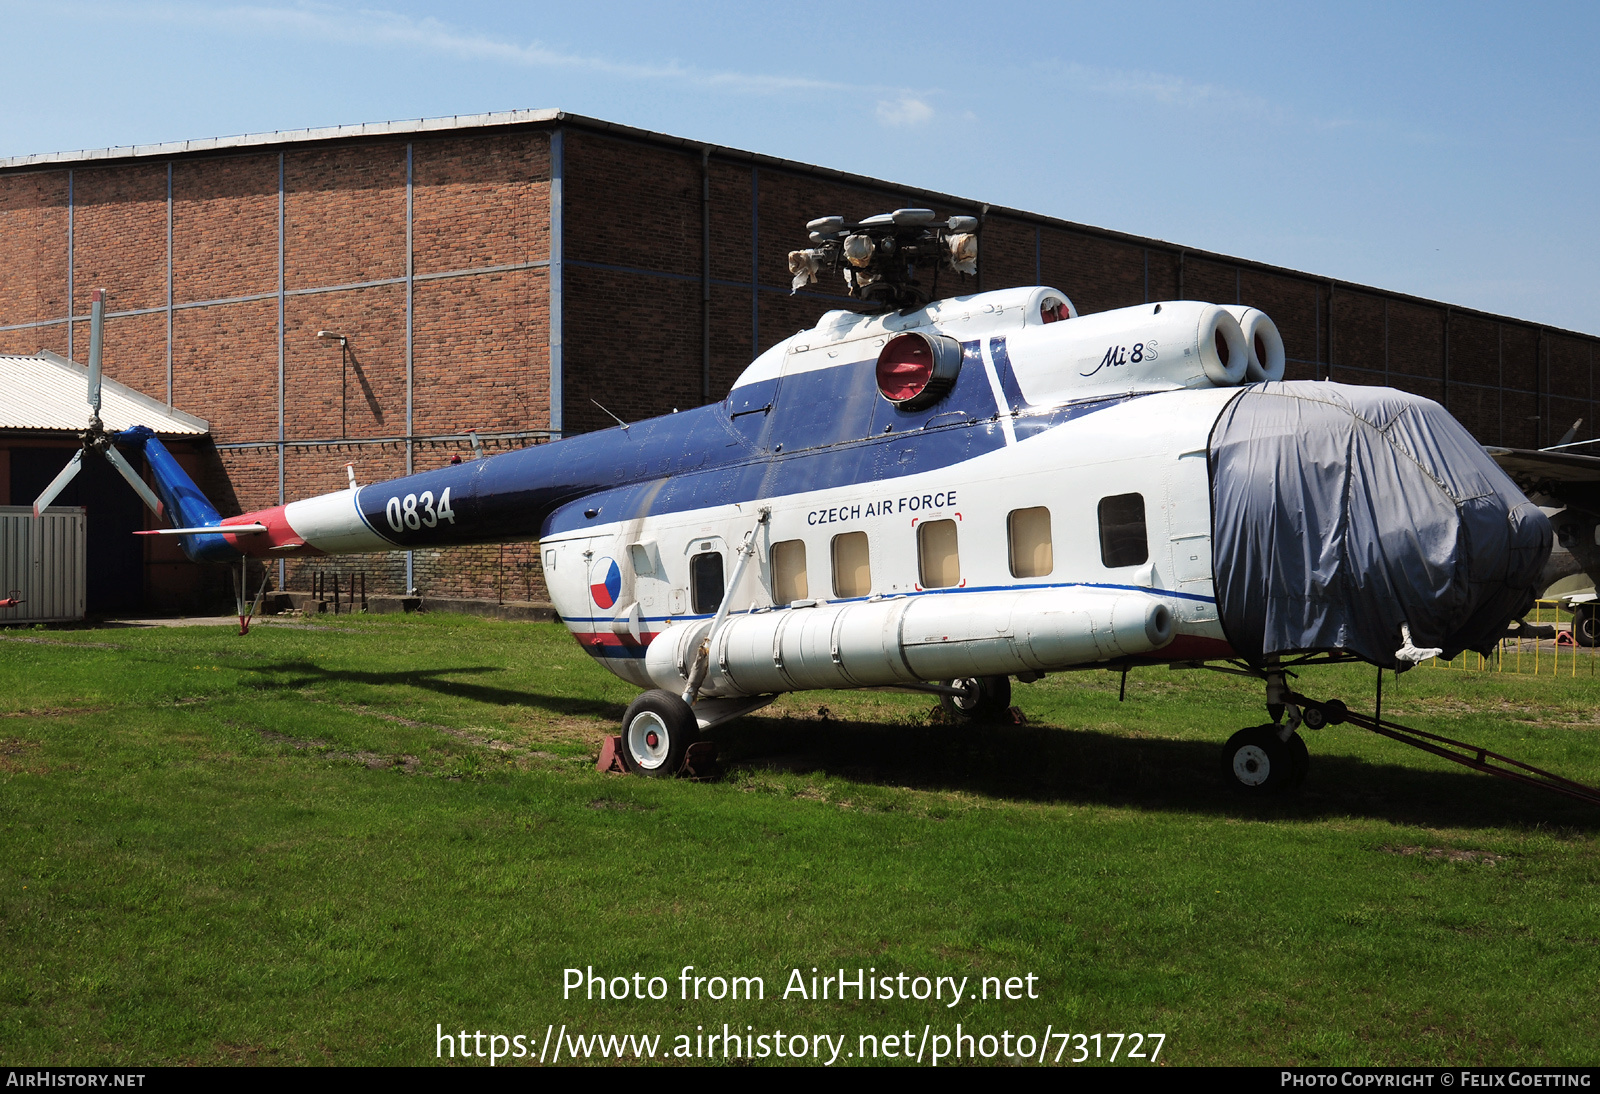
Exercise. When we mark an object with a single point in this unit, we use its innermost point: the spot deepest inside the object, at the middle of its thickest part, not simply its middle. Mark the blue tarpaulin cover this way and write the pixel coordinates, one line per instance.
(1341, 512)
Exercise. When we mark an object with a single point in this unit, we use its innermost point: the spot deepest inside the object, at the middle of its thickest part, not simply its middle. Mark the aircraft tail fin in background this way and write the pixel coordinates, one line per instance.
(186, 505)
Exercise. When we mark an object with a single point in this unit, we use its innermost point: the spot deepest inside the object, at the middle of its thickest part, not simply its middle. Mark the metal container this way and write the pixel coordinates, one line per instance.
(42, 563)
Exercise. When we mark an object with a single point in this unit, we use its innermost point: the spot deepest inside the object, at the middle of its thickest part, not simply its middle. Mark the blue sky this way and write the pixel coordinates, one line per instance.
(1448, 150)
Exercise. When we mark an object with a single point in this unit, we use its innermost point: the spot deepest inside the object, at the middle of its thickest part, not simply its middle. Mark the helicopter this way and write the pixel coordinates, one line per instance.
(946, 493)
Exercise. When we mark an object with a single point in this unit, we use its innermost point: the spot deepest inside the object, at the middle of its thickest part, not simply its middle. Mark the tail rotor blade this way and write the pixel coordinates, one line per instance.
(58, 484)
(125, 469)
(97, 322)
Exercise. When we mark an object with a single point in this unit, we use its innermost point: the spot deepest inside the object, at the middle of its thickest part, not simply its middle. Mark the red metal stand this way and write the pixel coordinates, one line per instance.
(611, 757)
(699, 760)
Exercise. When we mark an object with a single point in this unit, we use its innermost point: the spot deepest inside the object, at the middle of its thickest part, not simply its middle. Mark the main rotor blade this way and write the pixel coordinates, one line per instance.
(97, 322)
(59, 483)
(126, 470)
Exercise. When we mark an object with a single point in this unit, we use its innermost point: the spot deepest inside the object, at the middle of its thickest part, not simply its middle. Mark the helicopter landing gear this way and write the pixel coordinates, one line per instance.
(984, 699)
(1585, 625)
(1265, 760)
(1299, 760)
(657, 731)
(1317, 715)
(1260, 762)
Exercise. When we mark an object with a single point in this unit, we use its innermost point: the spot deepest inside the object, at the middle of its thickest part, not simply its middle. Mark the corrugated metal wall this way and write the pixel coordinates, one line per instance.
(43, 562)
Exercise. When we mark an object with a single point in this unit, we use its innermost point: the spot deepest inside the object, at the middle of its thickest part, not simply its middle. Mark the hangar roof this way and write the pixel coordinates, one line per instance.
(287, 136)
(47, 392)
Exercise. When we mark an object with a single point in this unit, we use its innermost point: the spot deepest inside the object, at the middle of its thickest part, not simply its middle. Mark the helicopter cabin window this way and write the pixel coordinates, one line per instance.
(705, 582)
(789, 571)
(1029, 533)
(1123, 540)
(937, 557)
(852, 568)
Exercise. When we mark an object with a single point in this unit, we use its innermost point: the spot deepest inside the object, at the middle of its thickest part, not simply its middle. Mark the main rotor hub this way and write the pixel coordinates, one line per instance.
(880, 257)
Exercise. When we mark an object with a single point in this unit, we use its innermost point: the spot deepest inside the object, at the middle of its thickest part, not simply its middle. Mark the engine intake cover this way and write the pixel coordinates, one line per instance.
(916, 370)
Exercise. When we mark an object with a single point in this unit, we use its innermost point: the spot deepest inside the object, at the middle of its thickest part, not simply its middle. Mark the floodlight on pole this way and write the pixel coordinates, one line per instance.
(344, 346)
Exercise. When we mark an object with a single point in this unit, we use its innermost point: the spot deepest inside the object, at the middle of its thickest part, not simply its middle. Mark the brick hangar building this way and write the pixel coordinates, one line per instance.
(498, 275)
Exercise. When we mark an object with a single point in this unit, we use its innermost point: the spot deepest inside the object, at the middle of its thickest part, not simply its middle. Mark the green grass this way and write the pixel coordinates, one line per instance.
(314, 843)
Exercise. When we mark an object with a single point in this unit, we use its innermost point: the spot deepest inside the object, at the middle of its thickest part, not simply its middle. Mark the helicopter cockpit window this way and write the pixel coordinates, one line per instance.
(852, 565)
(1123, 539)
(789, 571)
(937, 555)
(1032, 554)
(705, 582)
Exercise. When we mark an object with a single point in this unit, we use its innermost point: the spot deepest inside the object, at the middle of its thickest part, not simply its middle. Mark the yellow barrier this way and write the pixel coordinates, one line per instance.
(1531, 655)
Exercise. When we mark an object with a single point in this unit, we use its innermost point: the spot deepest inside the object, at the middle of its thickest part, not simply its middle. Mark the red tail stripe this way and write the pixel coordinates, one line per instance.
(278, 540)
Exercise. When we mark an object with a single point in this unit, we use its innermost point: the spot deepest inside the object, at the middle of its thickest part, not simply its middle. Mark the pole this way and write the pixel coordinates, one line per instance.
(282, 563)
(411, 556)
(705, 274)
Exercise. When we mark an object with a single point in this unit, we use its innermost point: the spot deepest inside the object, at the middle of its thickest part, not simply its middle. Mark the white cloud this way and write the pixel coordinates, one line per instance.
(1166, 89)
(1180, 93)
(379, 27)
(907, 110)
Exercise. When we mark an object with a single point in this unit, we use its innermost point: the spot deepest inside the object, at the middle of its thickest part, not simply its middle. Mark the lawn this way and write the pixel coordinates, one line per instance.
(326, 843)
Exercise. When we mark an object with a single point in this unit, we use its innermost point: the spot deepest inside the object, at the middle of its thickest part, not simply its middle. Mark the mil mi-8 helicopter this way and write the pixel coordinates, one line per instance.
(944, 494)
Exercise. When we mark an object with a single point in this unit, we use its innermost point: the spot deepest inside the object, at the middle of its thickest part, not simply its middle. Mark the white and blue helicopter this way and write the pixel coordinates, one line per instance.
(944, 494)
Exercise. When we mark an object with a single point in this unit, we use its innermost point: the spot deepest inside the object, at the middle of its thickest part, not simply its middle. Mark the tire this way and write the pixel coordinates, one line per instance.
(1299, 759)
(657, 731)
(988, 699)
(1585, 625)
(1257, 764)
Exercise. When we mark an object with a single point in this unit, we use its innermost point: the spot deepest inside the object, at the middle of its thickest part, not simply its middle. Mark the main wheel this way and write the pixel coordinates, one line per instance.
(1585, 626)
(1257, 764)
(986, 699)
(656, 732)
(1299, 760)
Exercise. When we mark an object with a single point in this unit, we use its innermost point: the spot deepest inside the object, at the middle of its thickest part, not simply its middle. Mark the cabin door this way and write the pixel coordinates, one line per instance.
(1189, 509)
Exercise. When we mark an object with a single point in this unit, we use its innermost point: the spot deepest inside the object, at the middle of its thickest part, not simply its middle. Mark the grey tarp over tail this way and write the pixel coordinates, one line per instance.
(1340, 512)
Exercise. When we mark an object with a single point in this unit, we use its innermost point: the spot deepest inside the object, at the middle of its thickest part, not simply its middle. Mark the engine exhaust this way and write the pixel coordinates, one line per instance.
(1262, 341)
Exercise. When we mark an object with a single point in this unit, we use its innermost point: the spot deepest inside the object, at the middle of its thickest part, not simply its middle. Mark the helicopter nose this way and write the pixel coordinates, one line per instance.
(1342, 513)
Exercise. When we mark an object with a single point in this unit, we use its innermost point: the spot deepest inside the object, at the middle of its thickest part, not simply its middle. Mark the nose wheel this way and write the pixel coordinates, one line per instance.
(1258, 763)
(657, 731)
(1585, 625)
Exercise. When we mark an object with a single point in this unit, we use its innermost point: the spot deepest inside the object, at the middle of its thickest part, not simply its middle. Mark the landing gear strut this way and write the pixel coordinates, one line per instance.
(1272, 759)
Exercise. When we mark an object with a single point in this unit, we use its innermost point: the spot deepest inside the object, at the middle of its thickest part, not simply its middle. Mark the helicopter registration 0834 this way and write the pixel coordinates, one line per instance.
(416, 511)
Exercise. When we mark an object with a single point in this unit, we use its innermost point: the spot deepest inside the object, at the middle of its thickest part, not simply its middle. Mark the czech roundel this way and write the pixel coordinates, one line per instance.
(606, 589)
